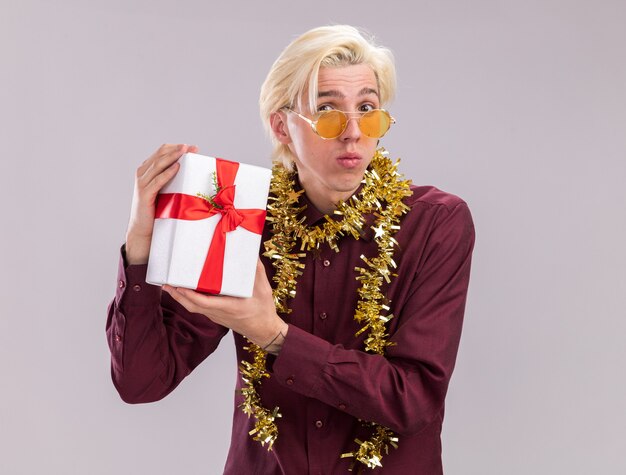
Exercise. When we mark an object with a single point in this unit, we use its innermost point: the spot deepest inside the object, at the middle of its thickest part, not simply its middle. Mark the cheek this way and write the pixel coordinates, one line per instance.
(304, 143)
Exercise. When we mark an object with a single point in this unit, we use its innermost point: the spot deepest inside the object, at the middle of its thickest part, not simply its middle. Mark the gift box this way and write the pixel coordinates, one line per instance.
(208, 224)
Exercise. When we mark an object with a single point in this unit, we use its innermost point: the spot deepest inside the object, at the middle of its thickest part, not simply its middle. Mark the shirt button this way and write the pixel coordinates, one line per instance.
(122, 284)
(342, 406)
(323, 315)
(137, 287)
(289, 381)
(326, 262)
(319, 424)
(118, 338)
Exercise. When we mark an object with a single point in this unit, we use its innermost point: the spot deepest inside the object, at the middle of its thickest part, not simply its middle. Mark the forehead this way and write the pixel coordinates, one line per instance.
(357, 79)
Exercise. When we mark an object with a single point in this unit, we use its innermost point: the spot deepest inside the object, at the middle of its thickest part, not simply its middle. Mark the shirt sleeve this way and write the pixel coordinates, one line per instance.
(404, 390)
(154, 341)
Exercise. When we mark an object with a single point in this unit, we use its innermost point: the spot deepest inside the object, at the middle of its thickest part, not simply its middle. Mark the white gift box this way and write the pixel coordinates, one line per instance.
(183, 234)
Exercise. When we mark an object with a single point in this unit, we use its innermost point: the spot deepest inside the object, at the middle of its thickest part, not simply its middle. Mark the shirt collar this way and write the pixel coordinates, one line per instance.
(312, 216)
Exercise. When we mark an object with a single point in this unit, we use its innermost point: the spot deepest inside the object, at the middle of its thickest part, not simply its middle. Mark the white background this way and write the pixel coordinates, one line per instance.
(517, 106)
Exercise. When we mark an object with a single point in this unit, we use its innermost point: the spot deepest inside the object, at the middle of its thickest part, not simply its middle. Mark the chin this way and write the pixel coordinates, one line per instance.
(347, 187)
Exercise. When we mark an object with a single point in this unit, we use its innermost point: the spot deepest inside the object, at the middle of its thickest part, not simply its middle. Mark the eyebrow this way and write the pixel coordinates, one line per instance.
(333, 93)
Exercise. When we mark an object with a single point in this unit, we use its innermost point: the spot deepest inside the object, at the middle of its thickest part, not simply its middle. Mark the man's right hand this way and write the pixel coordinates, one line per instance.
(151, 176)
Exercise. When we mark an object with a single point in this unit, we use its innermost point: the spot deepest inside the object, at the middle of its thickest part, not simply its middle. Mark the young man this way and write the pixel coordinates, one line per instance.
(359, 334)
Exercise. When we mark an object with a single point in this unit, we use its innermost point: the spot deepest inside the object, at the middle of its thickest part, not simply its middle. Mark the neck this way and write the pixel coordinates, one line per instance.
(325, 201)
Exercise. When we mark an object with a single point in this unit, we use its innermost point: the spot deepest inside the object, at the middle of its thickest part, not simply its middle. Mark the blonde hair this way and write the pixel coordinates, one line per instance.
(298, 67)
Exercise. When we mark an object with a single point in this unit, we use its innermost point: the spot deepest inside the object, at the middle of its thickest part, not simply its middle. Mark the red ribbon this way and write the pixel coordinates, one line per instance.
(187, 207)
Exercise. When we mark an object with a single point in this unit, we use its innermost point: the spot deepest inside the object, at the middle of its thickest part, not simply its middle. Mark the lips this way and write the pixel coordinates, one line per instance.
(349, 160)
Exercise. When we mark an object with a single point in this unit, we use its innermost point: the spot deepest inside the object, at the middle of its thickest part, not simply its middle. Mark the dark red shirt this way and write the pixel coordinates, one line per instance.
(322, 380)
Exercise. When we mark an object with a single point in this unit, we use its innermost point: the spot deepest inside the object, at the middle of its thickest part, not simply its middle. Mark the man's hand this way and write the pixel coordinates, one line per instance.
(254, 317)
(150, 177)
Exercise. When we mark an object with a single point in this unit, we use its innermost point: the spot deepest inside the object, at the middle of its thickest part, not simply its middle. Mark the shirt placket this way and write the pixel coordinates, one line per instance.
(317, 412)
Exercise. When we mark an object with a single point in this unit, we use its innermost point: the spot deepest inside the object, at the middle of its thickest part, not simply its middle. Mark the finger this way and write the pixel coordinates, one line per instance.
(162, 179)
(260, 277)
(260, 269)
(162, 150)
(209, 302)
(177, 295)
(166, 158)
(161, 162)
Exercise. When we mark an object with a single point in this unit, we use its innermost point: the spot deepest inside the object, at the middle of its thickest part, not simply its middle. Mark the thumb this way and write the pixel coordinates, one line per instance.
(260, 278)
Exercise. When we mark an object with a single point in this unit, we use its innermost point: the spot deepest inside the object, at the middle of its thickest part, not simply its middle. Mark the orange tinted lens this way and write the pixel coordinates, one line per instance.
(331, 124)
(375, 123)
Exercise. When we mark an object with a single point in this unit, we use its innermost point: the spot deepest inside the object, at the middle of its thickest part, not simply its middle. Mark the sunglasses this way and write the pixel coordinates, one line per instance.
(332, 123)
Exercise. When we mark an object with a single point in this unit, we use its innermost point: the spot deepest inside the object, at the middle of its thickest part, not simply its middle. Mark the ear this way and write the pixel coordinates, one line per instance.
(278, 124)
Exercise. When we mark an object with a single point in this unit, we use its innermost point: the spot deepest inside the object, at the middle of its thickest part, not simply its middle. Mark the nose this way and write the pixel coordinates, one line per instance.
(352, 131)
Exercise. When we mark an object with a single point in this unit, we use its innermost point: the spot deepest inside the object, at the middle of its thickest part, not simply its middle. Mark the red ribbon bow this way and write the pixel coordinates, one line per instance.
(187, 207)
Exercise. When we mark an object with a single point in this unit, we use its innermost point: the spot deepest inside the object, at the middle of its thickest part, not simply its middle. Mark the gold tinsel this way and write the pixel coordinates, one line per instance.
(382, 193)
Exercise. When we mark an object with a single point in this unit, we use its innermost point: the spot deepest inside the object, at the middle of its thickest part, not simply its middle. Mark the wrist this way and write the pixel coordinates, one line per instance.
(275, 344)
(137, 250)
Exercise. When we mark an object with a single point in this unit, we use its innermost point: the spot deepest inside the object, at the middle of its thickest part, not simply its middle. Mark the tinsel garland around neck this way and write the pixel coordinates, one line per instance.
(381, 194)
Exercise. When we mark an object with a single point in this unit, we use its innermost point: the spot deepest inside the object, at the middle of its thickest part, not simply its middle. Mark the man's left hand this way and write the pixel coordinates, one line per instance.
(254, 317)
